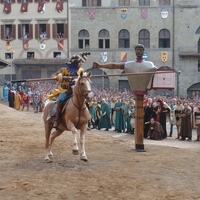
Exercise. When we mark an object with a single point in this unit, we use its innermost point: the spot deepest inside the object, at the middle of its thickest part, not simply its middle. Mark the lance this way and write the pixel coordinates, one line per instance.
(60, 77)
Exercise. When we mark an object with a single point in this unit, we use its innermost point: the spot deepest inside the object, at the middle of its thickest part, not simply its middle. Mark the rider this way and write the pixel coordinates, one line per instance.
(73, 68)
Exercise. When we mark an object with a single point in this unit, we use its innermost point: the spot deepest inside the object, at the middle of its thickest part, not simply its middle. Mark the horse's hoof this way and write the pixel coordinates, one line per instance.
(84, 158)
(47, 160)
(75, 152)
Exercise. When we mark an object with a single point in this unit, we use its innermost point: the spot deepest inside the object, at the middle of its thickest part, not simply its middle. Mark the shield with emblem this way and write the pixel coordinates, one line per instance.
(164, 13)
(8, 45)
(164, 56)
(144, 13)
(124, 12)
(91, 13)
(104, 57)
(42, 45)
(123, 56)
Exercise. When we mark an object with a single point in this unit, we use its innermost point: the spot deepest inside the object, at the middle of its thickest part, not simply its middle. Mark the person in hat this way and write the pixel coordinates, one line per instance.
(64, 91)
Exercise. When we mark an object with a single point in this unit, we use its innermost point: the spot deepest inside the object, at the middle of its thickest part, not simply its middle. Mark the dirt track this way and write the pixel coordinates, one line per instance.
(115, 171)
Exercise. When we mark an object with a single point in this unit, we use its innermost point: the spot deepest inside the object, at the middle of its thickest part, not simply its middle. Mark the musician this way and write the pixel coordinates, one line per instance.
(176, 113)
(186, 125)
(64, 92)
(196, 116)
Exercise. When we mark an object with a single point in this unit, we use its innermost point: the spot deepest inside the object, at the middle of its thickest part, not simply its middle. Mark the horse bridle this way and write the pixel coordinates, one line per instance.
(82, 94)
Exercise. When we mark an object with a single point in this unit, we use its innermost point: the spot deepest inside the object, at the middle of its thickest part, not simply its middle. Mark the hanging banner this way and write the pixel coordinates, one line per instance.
(164, 13)
(91, 13)
(59, 6)
(24, 7)
(7, 8)
(60, 44)
(124, 12)
(25, 43)
(144, 13)
(123, 56)
(41, 7)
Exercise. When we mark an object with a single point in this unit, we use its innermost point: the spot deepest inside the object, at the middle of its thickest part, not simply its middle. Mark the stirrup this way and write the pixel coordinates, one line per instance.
(56, 124)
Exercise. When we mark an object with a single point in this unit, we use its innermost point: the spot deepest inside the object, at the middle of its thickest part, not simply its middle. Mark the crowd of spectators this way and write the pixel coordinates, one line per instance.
(118, 108)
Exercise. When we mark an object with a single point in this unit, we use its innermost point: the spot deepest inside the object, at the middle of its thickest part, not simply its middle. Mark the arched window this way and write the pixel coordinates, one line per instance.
(164, 2)
(164, 38)
(124, 2)
(104, 39)
(144, 38)
(144, 2)
(124, 39)
(83, 39)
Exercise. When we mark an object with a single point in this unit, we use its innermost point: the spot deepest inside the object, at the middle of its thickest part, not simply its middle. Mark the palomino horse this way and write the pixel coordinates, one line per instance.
(75, 116)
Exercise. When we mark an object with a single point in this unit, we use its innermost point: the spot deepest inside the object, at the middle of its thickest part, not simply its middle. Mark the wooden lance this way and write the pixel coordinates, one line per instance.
(60, 77)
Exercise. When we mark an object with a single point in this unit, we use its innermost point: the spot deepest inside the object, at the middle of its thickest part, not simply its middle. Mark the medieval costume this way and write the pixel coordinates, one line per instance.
(36, 99)
(161, 111)
(17, 101)
(186, 125)
(171, 105)
(11, 97)
(196, 117)
(104, 121)
(155, 130)
(25, 101)
(176, 113)
(64, 92)
(148, 114)
(131, 112)
(119, 118)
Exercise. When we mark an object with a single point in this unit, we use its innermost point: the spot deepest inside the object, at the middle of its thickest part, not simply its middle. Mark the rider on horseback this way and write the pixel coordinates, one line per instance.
(73, 68)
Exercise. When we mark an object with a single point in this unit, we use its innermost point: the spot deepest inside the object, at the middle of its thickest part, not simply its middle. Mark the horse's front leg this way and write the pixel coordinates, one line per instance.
(75, 149)
(82, 143)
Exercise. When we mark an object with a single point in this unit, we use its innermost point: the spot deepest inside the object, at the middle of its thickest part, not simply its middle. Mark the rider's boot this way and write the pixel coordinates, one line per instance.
(56, 122)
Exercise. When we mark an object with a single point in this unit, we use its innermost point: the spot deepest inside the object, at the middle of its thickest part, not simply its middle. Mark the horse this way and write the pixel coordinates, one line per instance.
(74, 117)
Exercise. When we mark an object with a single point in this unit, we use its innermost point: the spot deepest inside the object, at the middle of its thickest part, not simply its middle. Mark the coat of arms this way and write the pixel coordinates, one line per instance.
(124, 13)
(164, 13)
(164, 56)
(104, 57)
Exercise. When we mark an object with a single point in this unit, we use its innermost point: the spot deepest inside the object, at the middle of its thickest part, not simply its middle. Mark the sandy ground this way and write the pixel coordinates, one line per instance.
(114, 171)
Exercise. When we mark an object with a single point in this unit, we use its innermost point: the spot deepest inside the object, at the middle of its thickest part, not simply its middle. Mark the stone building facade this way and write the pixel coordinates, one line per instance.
(169, 29)
(109, 29)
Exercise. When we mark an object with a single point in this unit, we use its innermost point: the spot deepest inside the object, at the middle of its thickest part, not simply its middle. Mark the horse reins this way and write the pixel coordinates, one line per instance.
(80, 105)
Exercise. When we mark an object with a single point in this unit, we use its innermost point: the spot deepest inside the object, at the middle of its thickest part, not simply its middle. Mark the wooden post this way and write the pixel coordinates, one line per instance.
(139, 123)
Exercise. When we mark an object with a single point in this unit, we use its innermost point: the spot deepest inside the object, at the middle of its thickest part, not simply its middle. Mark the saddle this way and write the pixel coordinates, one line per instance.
(52, 112)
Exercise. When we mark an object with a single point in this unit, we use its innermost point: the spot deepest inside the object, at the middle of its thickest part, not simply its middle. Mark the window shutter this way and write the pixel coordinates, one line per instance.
(30, 31)
(2, 32)
(37, 31)
(48, 31)
(20, 31)
(54, 27)
(14, 31)
(65, 35)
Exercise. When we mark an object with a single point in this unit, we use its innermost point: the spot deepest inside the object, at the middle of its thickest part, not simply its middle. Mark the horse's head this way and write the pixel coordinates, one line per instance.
(83, 83)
